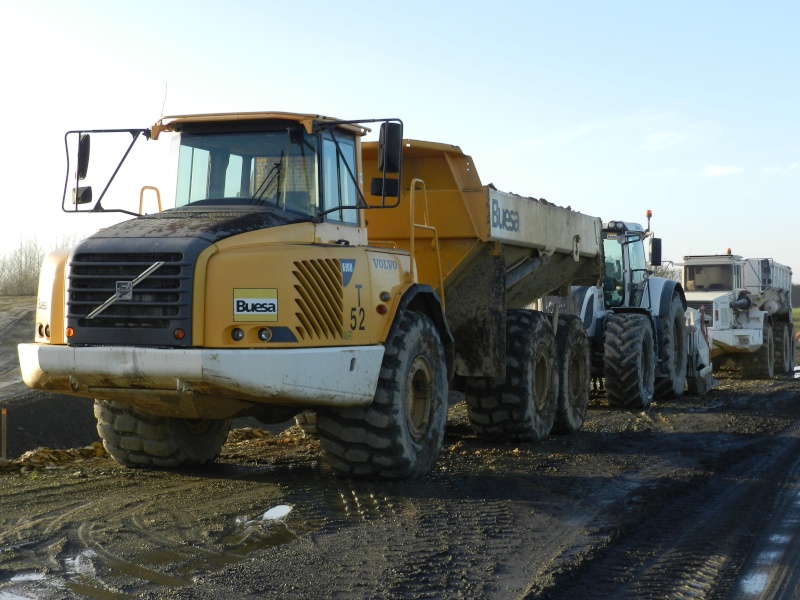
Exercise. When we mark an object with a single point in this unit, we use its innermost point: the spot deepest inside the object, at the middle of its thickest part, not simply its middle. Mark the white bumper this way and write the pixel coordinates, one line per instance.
(342, 376)
(735, 341)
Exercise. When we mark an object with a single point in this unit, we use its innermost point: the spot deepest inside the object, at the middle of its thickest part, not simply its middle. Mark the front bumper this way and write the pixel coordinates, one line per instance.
(179, 382)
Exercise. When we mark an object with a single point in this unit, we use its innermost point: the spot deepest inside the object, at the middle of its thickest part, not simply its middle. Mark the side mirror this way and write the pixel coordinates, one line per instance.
(390, 147)
(82, 195)
(655, 252)
(390, 190)
(83, 155)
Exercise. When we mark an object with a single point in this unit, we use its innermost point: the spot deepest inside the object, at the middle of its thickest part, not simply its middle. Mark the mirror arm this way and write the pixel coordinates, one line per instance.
(135, 133)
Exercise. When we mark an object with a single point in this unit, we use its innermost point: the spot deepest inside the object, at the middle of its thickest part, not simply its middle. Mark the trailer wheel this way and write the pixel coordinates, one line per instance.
(400, 434)
(761, 363)
(522, 405)
(138, 439)
(629, 360)
(783, 336)
(574, 368)
(671, 375)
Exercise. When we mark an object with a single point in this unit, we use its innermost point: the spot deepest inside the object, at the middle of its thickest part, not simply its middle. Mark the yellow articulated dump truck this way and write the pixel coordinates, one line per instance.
(276, 282)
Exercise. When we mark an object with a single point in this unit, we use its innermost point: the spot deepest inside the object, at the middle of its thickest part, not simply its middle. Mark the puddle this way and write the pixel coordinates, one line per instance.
(28, 585)
(269, 529)
(27, 577)
(85, 570)
(754, 584)
(80, 564)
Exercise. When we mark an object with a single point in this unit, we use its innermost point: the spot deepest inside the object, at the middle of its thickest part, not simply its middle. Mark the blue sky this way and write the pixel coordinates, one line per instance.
(689, 109)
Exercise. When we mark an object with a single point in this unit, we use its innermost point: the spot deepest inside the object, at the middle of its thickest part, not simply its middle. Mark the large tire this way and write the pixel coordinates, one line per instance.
(138, 439)
(761, 363)
(521, 406)
(629, 360)
(574, 372)
(783, 336)
(671, 374)
(399, 435)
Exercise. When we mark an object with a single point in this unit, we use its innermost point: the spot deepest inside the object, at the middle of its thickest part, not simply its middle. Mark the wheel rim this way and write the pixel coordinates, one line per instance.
(540, 371)
(577, 376)
(420, 397)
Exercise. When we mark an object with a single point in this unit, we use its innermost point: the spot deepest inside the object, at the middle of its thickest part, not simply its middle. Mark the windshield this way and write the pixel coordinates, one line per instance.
(710, 278)
(276, 168)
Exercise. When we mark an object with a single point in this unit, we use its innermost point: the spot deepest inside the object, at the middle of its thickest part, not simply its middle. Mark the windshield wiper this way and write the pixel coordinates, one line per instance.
(269, 178)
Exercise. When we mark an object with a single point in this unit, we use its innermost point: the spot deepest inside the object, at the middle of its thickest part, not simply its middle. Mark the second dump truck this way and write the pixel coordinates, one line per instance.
(299, 268)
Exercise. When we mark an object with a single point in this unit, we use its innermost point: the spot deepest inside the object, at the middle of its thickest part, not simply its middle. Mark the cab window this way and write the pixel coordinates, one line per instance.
(338, 185)
(638, 260)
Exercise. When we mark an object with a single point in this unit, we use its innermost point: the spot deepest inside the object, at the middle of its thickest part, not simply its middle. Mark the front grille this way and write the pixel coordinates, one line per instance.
(320, 298)
(160, 301)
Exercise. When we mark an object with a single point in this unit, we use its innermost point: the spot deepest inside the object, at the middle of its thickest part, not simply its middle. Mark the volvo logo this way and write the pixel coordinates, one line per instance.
(124, 290)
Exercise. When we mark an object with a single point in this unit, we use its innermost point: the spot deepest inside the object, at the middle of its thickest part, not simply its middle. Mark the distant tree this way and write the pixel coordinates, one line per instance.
(667, 271)
(19, 270)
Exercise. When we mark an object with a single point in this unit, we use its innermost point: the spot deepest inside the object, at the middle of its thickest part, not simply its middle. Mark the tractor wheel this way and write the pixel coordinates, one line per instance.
(399, 435)
(572, 356)
(521, 406)
(783, 336)
(138, 439)
(671, 375)
(760, 364)
(629, 360)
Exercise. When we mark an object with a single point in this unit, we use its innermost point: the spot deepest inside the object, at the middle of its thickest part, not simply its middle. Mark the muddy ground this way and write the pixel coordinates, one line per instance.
(694, 498)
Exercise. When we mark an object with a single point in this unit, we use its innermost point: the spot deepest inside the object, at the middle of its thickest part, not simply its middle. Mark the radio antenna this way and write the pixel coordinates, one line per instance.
(165, 100)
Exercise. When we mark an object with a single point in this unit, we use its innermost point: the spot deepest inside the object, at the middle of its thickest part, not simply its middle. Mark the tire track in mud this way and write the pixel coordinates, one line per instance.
(683, 540)
(453, 535)
(590, 516)
(128, 539)
(458, 544)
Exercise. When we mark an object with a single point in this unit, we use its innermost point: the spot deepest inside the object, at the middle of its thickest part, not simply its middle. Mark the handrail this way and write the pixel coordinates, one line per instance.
(141, 197)
(388, 243)
(410, 276)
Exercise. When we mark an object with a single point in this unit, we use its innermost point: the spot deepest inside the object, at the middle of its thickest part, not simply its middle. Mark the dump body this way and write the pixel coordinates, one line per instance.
(747, 306)
(498, 250)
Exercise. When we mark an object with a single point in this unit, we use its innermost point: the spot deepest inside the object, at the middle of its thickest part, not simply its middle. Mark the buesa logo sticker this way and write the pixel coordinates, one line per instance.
(250, 304)
(503, 218)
